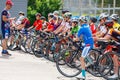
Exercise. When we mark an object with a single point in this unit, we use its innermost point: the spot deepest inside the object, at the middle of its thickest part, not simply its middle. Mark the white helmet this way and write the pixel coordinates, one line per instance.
(83, 18)
(114, 16)
(103, 15)
(74, 19)
(56, 12)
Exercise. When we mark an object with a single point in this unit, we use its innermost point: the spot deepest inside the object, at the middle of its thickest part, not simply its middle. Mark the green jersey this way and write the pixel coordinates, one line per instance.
(74, 29)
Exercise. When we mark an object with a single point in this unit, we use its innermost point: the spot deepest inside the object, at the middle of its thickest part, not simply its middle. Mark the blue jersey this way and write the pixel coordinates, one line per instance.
(86, 33)
(5, 26)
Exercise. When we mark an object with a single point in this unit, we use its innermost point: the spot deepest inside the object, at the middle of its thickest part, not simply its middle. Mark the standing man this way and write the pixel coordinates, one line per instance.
(5, 26)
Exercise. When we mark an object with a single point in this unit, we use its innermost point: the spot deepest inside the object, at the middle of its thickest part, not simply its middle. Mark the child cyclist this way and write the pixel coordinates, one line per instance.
(89, 42)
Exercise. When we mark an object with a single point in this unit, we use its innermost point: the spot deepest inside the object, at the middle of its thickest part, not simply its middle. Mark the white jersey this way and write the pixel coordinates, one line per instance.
(103, 29)
(19, 20)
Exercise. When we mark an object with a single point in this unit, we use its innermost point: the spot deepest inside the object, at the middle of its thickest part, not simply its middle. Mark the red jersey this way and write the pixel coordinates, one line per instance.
(93, 28)
(38, 25)
(49, 26)
(26, 22)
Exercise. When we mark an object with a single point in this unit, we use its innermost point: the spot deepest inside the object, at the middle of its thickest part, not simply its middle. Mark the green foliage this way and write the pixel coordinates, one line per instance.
(42, 6)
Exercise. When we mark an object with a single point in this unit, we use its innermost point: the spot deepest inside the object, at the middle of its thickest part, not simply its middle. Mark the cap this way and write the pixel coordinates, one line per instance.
(9, 2)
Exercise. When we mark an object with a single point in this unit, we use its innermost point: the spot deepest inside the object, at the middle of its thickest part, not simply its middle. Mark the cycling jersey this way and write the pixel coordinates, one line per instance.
(26, 22)
(38, 25)
(114, 34)
(103, 29)
(50, 26)
(74, 29)
(87, 34)
(93, 28)
(116, 26)
(5, 26)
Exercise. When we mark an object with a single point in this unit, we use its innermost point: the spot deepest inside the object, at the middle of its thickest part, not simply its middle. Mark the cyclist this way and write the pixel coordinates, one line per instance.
(15, 24)
(37, 24)
(115, 18)
(88, 40)
(5, 26)
(57, 20)
(63, 12)
(23, 27)
(50, 23)
(56, 13)
(75, 26)
(93, 20)
(21, 17)
(44, 22)
(102, 30)
(114, 35)
(65, 25)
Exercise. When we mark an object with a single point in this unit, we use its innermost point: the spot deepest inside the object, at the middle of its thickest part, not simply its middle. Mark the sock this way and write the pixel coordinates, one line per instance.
(83, 73)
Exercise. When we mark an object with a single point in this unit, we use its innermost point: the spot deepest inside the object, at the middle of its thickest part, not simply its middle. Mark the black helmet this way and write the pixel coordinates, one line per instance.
(93, 19)
(64, 11)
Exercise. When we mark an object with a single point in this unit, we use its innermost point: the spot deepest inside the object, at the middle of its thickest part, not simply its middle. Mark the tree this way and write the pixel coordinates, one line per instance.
(42, 6)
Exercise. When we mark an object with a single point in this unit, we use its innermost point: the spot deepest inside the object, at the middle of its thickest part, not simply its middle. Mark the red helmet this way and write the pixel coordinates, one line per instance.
(9, 2)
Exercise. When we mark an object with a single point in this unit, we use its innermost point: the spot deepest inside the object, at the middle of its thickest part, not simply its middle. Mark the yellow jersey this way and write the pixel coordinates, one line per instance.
(116, 26)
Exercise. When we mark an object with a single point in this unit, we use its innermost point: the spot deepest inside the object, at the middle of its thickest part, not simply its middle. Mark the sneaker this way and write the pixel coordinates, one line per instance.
(80, 76)
(10, 47)
(17, 48)
(29, 50)
(9, 54)
(115, 76)
(6, 54)
(3, 54)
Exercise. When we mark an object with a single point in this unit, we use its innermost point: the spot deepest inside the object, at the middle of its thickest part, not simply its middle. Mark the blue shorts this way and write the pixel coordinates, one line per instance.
(3, 33)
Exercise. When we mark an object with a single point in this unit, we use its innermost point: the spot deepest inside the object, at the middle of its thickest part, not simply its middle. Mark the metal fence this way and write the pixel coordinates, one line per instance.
(88, 7)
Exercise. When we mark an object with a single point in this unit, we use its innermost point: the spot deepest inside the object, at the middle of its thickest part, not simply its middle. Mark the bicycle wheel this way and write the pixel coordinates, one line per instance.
(28, 44)
(105, 65)
(22, 44)
(93, 68)
(70, 70)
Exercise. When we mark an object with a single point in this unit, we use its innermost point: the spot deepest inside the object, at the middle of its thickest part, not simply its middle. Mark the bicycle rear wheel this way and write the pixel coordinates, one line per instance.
(66, 67)
(94, 55)
(105, 65)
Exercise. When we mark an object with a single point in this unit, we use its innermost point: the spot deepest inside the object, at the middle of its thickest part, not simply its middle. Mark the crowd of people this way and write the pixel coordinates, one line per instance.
(108, 28)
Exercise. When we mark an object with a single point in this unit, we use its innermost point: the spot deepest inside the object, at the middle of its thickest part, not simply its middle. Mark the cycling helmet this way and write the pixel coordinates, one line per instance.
(93, 19)
(68, 14)
(64, 11)
(56, 12)
(50, 15)
(109, 23)
(114, 16)
(74, 19)
(42, 18)
(83, 18)
(103, 15)
(38, 14)
(21, 12)
(60, 17)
